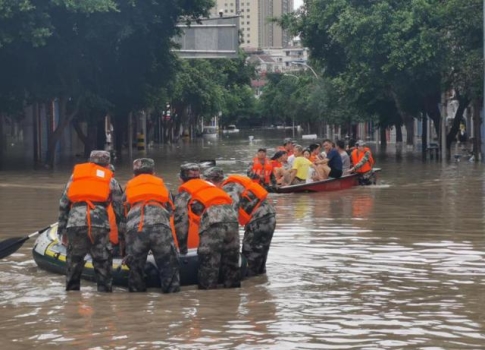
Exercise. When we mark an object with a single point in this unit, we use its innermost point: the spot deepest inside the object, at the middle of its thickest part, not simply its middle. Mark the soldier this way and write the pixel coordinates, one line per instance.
(149, 209)
(256, 214)
(83, 217)
(203, 210)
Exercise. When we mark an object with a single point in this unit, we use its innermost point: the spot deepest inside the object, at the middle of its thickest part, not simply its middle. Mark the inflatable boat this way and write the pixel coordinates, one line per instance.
(50, 255)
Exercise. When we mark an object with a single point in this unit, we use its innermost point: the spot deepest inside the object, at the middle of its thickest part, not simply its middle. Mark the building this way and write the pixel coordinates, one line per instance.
(256, 31)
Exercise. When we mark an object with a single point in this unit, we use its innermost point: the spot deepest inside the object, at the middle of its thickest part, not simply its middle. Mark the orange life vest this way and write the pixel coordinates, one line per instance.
(147, 189)
(275, 164)
(90, 183)
(249, 187)
(265, 168)
(356, 156)
(113, 233)
(207, 194)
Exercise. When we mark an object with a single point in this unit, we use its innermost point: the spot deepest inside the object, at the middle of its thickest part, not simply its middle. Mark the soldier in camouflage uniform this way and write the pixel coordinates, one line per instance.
(219, 245)
(149, 208)
(258, 232)
(87, 226)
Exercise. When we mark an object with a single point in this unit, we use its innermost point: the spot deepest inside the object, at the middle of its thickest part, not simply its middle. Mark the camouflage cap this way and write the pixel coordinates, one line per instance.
(185, 168)
(214, 174)
(144, 164)
(100, 157)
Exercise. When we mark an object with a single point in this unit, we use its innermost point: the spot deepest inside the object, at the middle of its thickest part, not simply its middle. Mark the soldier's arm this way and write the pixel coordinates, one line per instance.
(364, 160)
(64, 208)
(232, 191)
(251, 174)
(181, 220)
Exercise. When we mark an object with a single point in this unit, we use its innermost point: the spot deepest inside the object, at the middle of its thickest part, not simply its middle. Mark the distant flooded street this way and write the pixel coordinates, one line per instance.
(397, 265)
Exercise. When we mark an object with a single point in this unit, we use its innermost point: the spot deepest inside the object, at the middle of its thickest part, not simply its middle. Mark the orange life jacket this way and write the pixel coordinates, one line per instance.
(356, 156)
(249, 187)
(113, 233)
(275, 164)
(147, 189)
(265, 168)
(207, 194)
(90, 183)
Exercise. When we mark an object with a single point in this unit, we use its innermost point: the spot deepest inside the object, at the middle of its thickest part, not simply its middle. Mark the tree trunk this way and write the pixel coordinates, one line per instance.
(409, 124)
(463, 103)
(2, 142)
(398, 133)
(90, 143)
(431, 106)
(64, 120)
(79, 132)
(477, 138)
(424, 134)
(383, 137)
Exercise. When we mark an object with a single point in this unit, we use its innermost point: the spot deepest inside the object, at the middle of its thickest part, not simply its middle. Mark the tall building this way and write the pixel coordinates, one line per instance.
(256, 31)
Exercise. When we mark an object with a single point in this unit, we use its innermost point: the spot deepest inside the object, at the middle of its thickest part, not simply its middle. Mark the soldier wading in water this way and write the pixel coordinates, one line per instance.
(83, 217)
(205, 212)
(149, 208)
(256, 214)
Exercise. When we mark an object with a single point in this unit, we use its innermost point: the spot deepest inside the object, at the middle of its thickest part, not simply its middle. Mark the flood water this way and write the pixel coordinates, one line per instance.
(398, 265)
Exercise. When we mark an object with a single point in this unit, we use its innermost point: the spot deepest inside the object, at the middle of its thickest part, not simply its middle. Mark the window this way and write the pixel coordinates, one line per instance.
(247, 16)
(248, 41)
(248, 35)
(247, 22)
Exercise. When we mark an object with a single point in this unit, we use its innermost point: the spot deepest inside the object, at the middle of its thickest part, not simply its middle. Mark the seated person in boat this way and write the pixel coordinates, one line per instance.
(260, 170)
(331, 166)
(315, 150)
(362, 161)
(288, 145)
(340, 146)
(299, 169)
(281, 168)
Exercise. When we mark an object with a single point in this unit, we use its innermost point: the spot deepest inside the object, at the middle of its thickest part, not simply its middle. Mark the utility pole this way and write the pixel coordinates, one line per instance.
(443, 126)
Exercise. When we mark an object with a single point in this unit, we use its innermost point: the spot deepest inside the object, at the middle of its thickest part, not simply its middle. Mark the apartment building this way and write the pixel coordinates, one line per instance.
(256, 31)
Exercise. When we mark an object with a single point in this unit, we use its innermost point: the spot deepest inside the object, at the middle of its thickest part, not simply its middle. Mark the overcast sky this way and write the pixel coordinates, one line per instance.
(297, 3)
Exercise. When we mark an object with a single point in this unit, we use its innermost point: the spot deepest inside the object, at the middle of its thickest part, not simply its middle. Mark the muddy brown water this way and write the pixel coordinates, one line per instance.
(398, 265)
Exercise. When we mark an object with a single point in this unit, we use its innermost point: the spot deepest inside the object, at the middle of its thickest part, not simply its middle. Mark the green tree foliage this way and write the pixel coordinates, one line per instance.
(94, 55)
(384, 52)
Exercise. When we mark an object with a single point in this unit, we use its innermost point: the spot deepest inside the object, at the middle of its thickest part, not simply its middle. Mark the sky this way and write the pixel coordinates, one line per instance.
(297, 3)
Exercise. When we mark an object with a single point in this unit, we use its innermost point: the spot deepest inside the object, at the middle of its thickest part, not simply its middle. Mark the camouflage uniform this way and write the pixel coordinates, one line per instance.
(73, 222)
(156, 235)
(258, 232)
(219, 245)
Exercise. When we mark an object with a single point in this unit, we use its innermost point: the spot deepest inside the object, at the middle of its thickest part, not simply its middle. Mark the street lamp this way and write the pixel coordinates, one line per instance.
(307, 66)
(292, 75)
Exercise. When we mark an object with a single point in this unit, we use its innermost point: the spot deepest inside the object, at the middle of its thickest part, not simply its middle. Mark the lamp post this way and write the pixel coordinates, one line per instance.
(307, 66)
(295, 76)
